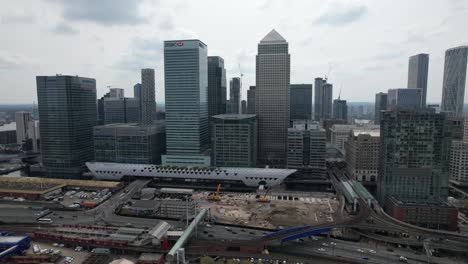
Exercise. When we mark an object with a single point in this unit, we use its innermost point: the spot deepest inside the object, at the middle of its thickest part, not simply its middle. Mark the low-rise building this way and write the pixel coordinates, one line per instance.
(435, 215)
(362, 154)
(129, 143)
(339, 135)
(307, 147)
(234, 140)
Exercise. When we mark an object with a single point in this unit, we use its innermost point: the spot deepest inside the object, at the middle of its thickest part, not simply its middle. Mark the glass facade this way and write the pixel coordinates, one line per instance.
(234, 140)
(67, 110)
(186, 88)
(455, 74)
(272, 99)
(301, 101)
(414, 156)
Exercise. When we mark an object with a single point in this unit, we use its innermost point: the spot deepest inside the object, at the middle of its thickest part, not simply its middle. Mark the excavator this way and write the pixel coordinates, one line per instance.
(215, 196)
(263, 198)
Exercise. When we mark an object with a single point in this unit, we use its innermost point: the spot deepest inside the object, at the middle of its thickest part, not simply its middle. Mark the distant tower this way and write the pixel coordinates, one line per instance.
(301, 101)
(243, 107)
(340, 109)
(148, 99)
(216, 86)
(380, 105)
(453, 93)
(235, 88)
(418, 67)
(323, 102)
(251, 100)
(272, 99)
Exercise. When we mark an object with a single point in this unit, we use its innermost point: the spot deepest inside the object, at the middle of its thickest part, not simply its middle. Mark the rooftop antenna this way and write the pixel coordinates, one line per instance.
(329, 70)
(339, 94)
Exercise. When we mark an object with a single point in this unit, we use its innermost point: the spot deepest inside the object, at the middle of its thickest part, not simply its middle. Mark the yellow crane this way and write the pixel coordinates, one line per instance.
(215, 196)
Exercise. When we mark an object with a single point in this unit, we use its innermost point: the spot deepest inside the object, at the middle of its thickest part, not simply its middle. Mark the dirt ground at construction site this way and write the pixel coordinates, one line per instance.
(273, 211)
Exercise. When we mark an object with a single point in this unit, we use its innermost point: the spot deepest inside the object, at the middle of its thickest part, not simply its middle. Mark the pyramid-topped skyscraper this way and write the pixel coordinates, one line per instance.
(272, 99)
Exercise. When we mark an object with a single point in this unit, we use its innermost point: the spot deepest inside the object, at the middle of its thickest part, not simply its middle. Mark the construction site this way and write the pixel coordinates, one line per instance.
(271, 209)
(274, 210)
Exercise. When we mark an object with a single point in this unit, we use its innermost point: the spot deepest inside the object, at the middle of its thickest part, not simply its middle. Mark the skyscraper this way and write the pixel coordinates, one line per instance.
(272, 98)
(186, 88)
(323, 99)
(380, 105)
(340, 109)
(117, 92)
(235, 88)
(404, 98)
(301, 101)
(414, 155)
(137, 90)
(23, 125)
(243, 107)
(67, 111)
(216, 86)
(453, 90)
(148, 97)
(251, 100)
(418, 67)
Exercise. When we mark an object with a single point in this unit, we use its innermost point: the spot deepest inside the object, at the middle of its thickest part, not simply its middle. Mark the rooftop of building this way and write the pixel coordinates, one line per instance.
(273, 36)
(157, 123)
(180, 40)
(420, 203)
(234, 116)
(8, 127)
(11, 239)
(373, 132)
(41, 185)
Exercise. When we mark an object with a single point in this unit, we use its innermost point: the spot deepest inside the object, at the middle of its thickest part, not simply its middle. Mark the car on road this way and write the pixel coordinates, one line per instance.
(208, 225)
(333, 243)
(360, 250)
(372, 251)
(228, 228)
(252, 233)
(205, 232)
(55, 244)
(210, 235)
(321, 249)
(365, 258)
(325, 244)
(403, 259)
(79, 249)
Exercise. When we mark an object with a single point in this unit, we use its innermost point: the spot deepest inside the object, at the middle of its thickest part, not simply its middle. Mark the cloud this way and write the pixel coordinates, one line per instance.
(104, 12)
(391, 55)
(23, 19)
(167, 24)
(339, 14)
(6, 64)
(144, 53)
(63, 28)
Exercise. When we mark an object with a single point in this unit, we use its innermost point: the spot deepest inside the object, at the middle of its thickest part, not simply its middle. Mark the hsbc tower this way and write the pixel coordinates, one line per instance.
(186, 91)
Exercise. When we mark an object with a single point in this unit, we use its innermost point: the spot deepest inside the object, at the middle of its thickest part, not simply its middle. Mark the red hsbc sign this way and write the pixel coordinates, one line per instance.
(174, 44)
(179, 44)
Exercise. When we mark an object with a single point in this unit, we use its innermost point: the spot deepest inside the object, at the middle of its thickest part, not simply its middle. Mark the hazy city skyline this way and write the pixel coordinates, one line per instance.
(363, 46)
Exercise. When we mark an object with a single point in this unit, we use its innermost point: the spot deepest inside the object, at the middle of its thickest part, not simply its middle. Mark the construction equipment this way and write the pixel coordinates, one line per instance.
(263, 198)
(215, 196)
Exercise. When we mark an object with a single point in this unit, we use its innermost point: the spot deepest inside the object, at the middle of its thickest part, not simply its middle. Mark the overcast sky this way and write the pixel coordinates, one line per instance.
(363, 46)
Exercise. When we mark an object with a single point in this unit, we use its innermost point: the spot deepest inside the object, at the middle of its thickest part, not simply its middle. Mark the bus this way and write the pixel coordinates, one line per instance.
(45, 220)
